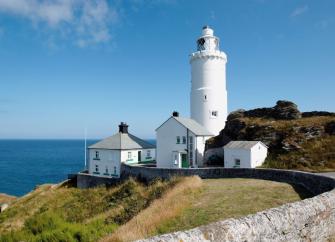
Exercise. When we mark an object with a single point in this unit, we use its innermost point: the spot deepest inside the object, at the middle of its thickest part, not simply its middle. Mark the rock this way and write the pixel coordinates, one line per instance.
(236, 114)
(317, 113)
(311, 132)
(259, 113)
(286, 110)
(330, 128)
(288, 145)
(234, 127)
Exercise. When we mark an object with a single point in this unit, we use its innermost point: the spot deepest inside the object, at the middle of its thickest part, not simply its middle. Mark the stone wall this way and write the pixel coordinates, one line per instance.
(85, 180)
(314, 183)
(311, 219)
(308, 220)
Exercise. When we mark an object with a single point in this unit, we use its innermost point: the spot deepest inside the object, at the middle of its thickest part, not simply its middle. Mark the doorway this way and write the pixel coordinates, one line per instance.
(139, 155)
(184, 162)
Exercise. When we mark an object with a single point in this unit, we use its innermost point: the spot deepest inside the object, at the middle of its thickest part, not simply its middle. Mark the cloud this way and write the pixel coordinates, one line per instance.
(88, 21)
(299, 11)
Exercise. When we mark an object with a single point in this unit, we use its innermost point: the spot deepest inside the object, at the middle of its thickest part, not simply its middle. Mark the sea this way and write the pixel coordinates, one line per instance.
(25, 164)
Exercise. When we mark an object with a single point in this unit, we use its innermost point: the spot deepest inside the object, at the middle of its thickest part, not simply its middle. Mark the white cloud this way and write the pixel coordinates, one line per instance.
(87, 20)
(299, 11)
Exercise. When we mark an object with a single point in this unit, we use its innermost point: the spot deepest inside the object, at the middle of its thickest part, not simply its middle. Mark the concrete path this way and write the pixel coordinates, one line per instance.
(330, 174)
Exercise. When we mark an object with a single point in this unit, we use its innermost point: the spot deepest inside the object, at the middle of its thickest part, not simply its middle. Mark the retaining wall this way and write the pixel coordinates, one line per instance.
(85, 180)
(314, 183)
(311, 219)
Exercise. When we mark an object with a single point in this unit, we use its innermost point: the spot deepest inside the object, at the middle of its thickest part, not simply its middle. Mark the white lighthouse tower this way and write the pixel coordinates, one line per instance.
(208, 91)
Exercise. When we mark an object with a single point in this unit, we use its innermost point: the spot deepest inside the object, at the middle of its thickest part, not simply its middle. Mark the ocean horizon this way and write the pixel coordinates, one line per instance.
(27, 163)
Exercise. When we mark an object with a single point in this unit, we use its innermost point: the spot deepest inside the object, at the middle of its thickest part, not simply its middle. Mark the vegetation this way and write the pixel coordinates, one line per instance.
(4, 198)
(195, 202)
(61, 213)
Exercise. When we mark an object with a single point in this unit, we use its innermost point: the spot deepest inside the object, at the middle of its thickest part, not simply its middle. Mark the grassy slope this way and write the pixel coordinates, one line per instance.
(57, 212)
(4, 198)
(208, 201)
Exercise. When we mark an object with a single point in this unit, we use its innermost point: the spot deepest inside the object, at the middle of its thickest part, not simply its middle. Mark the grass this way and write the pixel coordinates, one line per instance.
(4, 198)
(61, 213)
(196, 202)
(315, 155)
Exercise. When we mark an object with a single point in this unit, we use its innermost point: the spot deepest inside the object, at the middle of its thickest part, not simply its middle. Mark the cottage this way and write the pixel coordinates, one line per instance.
(244, 154)
(181, 142)
(106, 156)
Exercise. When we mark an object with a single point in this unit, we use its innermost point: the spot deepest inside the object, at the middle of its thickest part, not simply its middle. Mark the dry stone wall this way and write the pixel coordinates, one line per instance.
(311, 219)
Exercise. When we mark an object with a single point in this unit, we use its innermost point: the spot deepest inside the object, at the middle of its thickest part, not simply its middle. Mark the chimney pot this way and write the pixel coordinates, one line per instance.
(123, 128)
(175, 114)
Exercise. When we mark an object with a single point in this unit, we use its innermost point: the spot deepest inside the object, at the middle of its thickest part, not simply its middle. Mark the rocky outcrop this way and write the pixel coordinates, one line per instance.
(330, 128)
(317, 114)
(283, 110)
(284, 131)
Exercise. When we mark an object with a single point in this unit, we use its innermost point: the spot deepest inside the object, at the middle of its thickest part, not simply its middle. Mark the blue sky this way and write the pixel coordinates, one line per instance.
(70, 64)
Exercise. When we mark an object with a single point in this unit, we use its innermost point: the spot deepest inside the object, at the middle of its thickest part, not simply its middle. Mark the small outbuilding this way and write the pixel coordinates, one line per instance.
(244, 154)
(106, 156)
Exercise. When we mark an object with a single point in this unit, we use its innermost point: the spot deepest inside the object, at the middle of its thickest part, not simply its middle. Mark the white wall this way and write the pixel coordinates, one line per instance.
(134, 156)
(208, 91)
(166, 136)
(108, 159)
(250, 158)
(258, 154)
(242, 154)
(200, 149)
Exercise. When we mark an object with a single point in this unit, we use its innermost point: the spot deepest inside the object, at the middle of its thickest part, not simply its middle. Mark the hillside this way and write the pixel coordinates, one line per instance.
(120, 213)
(296, 140)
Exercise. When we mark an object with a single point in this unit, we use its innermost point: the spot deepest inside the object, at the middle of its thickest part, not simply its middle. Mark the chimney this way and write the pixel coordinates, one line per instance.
(123, 128)
(175, 114)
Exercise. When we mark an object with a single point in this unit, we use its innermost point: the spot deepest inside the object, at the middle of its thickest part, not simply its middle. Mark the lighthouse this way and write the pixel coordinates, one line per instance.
(208, 83)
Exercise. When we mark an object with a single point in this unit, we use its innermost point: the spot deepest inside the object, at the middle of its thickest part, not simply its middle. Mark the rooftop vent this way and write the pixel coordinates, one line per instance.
(123, 128)
(175, 114)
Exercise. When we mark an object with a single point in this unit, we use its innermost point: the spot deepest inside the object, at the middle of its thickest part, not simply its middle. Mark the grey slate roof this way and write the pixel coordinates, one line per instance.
(122, 141)
(193, 126)
(239, 144)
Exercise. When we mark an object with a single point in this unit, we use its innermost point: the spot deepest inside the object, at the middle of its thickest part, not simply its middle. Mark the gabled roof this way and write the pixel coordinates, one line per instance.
(191, 125)
(122, 141)
(239, 144)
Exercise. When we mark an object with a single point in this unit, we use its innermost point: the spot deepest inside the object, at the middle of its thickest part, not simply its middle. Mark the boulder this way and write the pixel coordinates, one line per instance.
(286, 110)
(236, 114)
(330, 128)
(317, 113)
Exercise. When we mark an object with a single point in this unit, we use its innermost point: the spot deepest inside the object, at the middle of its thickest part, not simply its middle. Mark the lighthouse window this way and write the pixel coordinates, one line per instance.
(214, 114)
(205, 98)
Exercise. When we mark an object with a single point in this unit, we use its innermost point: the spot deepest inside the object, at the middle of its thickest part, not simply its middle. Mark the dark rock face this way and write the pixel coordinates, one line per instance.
(286, 110)
(330, 128)
(317, 113)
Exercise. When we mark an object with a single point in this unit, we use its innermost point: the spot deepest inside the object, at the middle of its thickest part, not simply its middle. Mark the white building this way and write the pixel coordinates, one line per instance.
(105, 157)
(244, 154)
(180, 142)
(208, 91)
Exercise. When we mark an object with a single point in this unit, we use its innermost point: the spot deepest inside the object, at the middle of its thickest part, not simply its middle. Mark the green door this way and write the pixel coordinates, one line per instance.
(184, 162)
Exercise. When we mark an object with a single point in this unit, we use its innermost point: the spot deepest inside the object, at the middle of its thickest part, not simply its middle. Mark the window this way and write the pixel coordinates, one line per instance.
(205, 97)
(178, 139)
(115, 170)
(237, 163)
(148, 153)
(191, 139)
(184, 140)
(129, 155)
(214, 114)
(106, 170)
(96, 168)
(97, 155)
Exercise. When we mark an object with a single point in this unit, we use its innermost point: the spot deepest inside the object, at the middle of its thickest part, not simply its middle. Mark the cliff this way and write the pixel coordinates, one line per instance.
(296, 140)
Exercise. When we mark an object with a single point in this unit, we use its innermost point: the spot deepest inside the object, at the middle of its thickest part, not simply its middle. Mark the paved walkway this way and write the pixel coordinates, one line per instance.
(330, 174)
